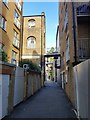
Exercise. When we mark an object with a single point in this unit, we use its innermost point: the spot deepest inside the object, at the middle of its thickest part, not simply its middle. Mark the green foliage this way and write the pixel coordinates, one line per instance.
(51, 73)
(51, 59)
(3, 56)
(52, 50)
(32, 66)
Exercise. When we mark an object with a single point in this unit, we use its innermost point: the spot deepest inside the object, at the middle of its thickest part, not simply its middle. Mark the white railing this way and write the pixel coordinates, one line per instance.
(18, 5)
(16, 42)
(17, 23)
(67, 54)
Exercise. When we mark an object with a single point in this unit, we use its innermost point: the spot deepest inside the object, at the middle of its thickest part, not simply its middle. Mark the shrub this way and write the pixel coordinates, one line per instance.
(32, 66)
(3, 56)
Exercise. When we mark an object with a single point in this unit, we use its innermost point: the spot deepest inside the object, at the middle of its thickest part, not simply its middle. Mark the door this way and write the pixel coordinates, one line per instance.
(64, 80)
(19, 86)
(0, 96)
(5, 93)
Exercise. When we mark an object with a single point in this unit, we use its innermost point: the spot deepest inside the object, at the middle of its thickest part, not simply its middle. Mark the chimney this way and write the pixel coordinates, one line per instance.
(43, 13)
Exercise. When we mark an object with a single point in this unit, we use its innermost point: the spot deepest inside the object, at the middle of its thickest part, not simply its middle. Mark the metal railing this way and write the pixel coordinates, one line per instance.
(84, 48)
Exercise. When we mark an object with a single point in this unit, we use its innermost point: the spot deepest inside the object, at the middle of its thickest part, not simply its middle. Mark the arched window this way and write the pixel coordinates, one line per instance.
(31, 23)
(31, 42)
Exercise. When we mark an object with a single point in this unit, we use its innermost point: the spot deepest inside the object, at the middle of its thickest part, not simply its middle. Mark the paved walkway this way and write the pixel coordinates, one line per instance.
(49, 102)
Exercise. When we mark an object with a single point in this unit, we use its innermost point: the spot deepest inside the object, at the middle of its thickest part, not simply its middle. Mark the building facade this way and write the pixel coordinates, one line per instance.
(74, 36)
(58, 60)
(34, 38)
(11, 29)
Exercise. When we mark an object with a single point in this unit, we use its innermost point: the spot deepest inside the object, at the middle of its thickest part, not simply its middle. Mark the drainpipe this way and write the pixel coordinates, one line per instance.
(42, 15)
(75, 48)
(41, 42)
(74, 32)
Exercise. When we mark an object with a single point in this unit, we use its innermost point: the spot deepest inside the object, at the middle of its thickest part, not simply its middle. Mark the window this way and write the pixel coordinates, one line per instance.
(66, 20)
(31, 42)
(16, 15)
(67, 49)
(2, 22)
(5, 2)
(16, 41)
(31, 23)
(67, 42)
(16, 19)
(16, 34)
(17, 2)
(1, 47)
(14, 55)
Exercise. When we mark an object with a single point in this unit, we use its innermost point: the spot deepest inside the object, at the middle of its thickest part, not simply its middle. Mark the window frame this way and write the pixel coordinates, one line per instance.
(31, 23)
(31, 43)
(1, 46)
(5, 2)
(14, 57)
(66, 18)
(3, 23)
(16, 35)
(16, 15)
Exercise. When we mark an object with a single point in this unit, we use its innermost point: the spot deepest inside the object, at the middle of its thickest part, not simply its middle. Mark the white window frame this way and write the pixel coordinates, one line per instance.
(66, 19)
(5, 2)
(1, 47)
(2, 22)
(16, 15)
(31, 23)
(14, 57)
(16, 35)
(67, 48)
(29, 42)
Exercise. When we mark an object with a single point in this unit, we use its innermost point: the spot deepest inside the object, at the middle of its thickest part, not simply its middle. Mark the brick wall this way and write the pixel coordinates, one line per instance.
(7, 36)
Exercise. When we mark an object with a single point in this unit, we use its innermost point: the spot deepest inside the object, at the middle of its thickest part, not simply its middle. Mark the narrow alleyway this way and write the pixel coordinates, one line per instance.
(49, 102)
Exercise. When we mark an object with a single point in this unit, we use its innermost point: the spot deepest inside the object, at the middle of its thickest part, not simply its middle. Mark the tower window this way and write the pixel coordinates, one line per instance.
(31, 42)
(31, 23)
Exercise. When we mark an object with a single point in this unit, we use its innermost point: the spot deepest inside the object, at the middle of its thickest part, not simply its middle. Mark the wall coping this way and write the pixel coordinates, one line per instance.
(32, 71)
(7, 64)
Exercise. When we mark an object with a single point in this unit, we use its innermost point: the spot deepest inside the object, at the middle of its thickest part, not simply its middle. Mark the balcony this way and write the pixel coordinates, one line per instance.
(83, 48)
(16, 42)
(16, 22)
(18, 5)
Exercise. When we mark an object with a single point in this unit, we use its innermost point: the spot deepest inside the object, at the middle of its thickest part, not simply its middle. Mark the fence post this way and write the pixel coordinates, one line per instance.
(42, 78)
(25, 84)
(11, 90)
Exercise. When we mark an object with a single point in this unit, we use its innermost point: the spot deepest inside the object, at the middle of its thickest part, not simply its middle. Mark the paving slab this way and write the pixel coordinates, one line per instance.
(50, 102)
